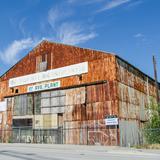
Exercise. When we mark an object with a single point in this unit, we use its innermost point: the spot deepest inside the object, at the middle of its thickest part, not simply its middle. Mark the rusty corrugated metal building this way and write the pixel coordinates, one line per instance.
(61, 86)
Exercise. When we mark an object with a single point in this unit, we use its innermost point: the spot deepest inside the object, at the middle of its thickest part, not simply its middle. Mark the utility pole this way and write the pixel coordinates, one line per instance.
(156, 81)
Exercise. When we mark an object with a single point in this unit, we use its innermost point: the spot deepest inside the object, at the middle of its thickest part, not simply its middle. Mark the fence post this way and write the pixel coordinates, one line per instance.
(116, 135)
(19, 134)
(87, 135)
(62, 135)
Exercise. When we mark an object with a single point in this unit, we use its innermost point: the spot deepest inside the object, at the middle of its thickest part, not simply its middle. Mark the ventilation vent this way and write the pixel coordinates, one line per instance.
(41, 63)
(43, 66)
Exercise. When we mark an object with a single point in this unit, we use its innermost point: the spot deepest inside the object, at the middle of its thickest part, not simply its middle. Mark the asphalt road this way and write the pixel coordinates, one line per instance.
(73, 152)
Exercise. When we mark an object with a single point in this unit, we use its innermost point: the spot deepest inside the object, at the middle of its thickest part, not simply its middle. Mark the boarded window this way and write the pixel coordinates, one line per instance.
(53, 102)
(37, 103)
(22, 122)
(44, 57)
(43, 66)
(23, 105)
(41, 63)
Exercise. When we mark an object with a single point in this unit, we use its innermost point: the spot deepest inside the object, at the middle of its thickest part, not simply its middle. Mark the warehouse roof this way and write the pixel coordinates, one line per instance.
(101, 52)
(45, 41)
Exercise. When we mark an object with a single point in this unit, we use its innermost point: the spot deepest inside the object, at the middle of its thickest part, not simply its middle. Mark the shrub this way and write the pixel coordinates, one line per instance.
(152, 127)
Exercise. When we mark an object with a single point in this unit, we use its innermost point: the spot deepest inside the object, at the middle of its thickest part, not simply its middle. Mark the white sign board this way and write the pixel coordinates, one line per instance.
(111, 121)
(0, 118)
(67, 71)
(43, 86)
(3, 106)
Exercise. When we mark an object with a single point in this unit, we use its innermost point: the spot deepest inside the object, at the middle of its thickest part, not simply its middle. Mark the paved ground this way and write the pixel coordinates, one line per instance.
(73, 152)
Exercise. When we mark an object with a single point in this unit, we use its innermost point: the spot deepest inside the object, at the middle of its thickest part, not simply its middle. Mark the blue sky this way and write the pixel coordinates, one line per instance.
(129, 28)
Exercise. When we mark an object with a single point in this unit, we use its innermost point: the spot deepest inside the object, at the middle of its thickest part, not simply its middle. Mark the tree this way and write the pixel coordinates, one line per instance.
(152, 127)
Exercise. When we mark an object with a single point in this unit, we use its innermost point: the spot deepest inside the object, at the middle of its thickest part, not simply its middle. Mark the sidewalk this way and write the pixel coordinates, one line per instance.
(95, 148)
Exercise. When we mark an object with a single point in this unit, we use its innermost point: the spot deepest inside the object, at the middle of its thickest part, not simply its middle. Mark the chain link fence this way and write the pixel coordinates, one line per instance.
(150, 136)
(29, 135)
(87, 136)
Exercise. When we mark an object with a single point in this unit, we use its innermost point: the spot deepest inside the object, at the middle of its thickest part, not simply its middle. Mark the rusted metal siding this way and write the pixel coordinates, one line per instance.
(90, 132)
(75, 113)
(101, 65)
(99, 70)
(92, 103)
(84, 123)
(75, 108)
(129, 132)
(102, 92)
(4, 89)
(135, 90)
(4, 135)
(132, 103)
(6, 121)
(134, 78)
(10, 103)
(83, 109)
(58, 55)
(75, 96)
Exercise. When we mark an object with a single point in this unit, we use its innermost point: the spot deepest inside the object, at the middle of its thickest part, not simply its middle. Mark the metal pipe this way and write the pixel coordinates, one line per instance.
(156, 81)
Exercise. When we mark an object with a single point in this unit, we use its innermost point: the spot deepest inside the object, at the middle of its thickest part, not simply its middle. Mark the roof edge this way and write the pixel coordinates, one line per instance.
(46, 41)
(111, 53)
(152, 79)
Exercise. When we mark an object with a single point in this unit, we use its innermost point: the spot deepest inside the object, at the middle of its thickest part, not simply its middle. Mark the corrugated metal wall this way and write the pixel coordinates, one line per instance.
(23, 105)
(6, 121)
(132, 103)
(84, 117)
(82, 111)
(134, 93)
(52, 102)
(47, 121)
(125, 94)
(129, 132)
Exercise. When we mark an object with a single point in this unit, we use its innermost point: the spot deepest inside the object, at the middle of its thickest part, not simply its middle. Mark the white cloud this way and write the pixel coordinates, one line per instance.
(138, 35)
(56, 14)
(21, 26)
(72, 33)
(53, 16)
(67, 32)
(142, 39)
(113, 4)
(85, 2)
(10, 55)
(62, 31)
(135, 3)
(72, 1)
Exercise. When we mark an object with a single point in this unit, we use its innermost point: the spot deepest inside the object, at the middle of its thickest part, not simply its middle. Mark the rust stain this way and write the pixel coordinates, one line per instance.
(125, 94)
